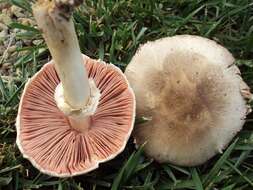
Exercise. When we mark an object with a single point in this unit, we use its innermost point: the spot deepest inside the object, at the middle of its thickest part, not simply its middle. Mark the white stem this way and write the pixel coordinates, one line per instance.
(60, 36)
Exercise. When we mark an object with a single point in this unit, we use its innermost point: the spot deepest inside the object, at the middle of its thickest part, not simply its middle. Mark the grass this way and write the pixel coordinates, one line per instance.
(112, 31)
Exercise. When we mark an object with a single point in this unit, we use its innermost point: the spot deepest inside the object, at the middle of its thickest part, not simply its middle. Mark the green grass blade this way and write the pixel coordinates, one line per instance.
(216, 168)
(5, 181)
(180, 169)
(24, 4)
(24, 27)
(184, 184)
(196, 179)
(8, 169)
(170, 173)
(230, 187)
(128, 169)
(15, 94)
(240, 173)
(3, 89)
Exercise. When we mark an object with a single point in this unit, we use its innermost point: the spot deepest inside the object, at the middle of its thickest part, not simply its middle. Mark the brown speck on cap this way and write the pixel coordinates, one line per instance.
(192, 120)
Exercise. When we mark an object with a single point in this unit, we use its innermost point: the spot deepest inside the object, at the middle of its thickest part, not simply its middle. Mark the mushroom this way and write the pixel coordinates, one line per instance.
(75, 112)
(192, 96)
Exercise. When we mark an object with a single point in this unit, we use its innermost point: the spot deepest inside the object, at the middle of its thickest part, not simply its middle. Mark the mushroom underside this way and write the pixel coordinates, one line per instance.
(46, 137)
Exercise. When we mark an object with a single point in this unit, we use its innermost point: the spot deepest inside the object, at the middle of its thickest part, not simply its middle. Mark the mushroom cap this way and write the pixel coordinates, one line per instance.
(44, 134)
(192, 93)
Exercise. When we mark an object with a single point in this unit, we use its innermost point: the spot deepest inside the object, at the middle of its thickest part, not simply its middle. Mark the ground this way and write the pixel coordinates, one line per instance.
(112, 31)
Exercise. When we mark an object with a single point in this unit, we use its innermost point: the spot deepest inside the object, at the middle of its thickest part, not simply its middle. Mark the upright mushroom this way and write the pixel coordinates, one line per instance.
(76, 112)
(193, 96)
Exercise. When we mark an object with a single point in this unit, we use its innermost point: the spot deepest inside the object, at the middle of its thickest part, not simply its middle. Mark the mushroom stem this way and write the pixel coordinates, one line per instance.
(54, 19)
(81, 124)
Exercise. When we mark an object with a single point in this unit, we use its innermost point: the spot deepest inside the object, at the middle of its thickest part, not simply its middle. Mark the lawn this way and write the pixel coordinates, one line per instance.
(112, 31)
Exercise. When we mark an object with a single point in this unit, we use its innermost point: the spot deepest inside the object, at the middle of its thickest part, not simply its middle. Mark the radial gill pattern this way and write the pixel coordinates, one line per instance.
(48, 141)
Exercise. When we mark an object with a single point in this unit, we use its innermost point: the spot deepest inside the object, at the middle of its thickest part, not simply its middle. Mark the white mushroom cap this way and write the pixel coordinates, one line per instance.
(194, 95)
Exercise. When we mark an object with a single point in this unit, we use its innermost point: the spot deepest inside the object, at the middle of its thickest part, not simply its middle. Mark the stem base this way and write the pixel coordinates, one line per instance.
(81, 124)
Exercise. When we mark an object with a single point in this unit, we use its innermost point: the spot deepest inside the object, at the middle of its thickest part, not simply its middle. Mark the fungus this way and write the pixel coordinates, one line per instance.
(194, 97)
(75, 112)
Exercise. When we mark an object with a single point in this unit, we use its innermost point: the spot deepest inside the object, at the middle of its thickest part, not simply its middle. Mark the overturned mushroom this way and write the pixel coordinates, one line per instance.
(193, 95)
(76, 112)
